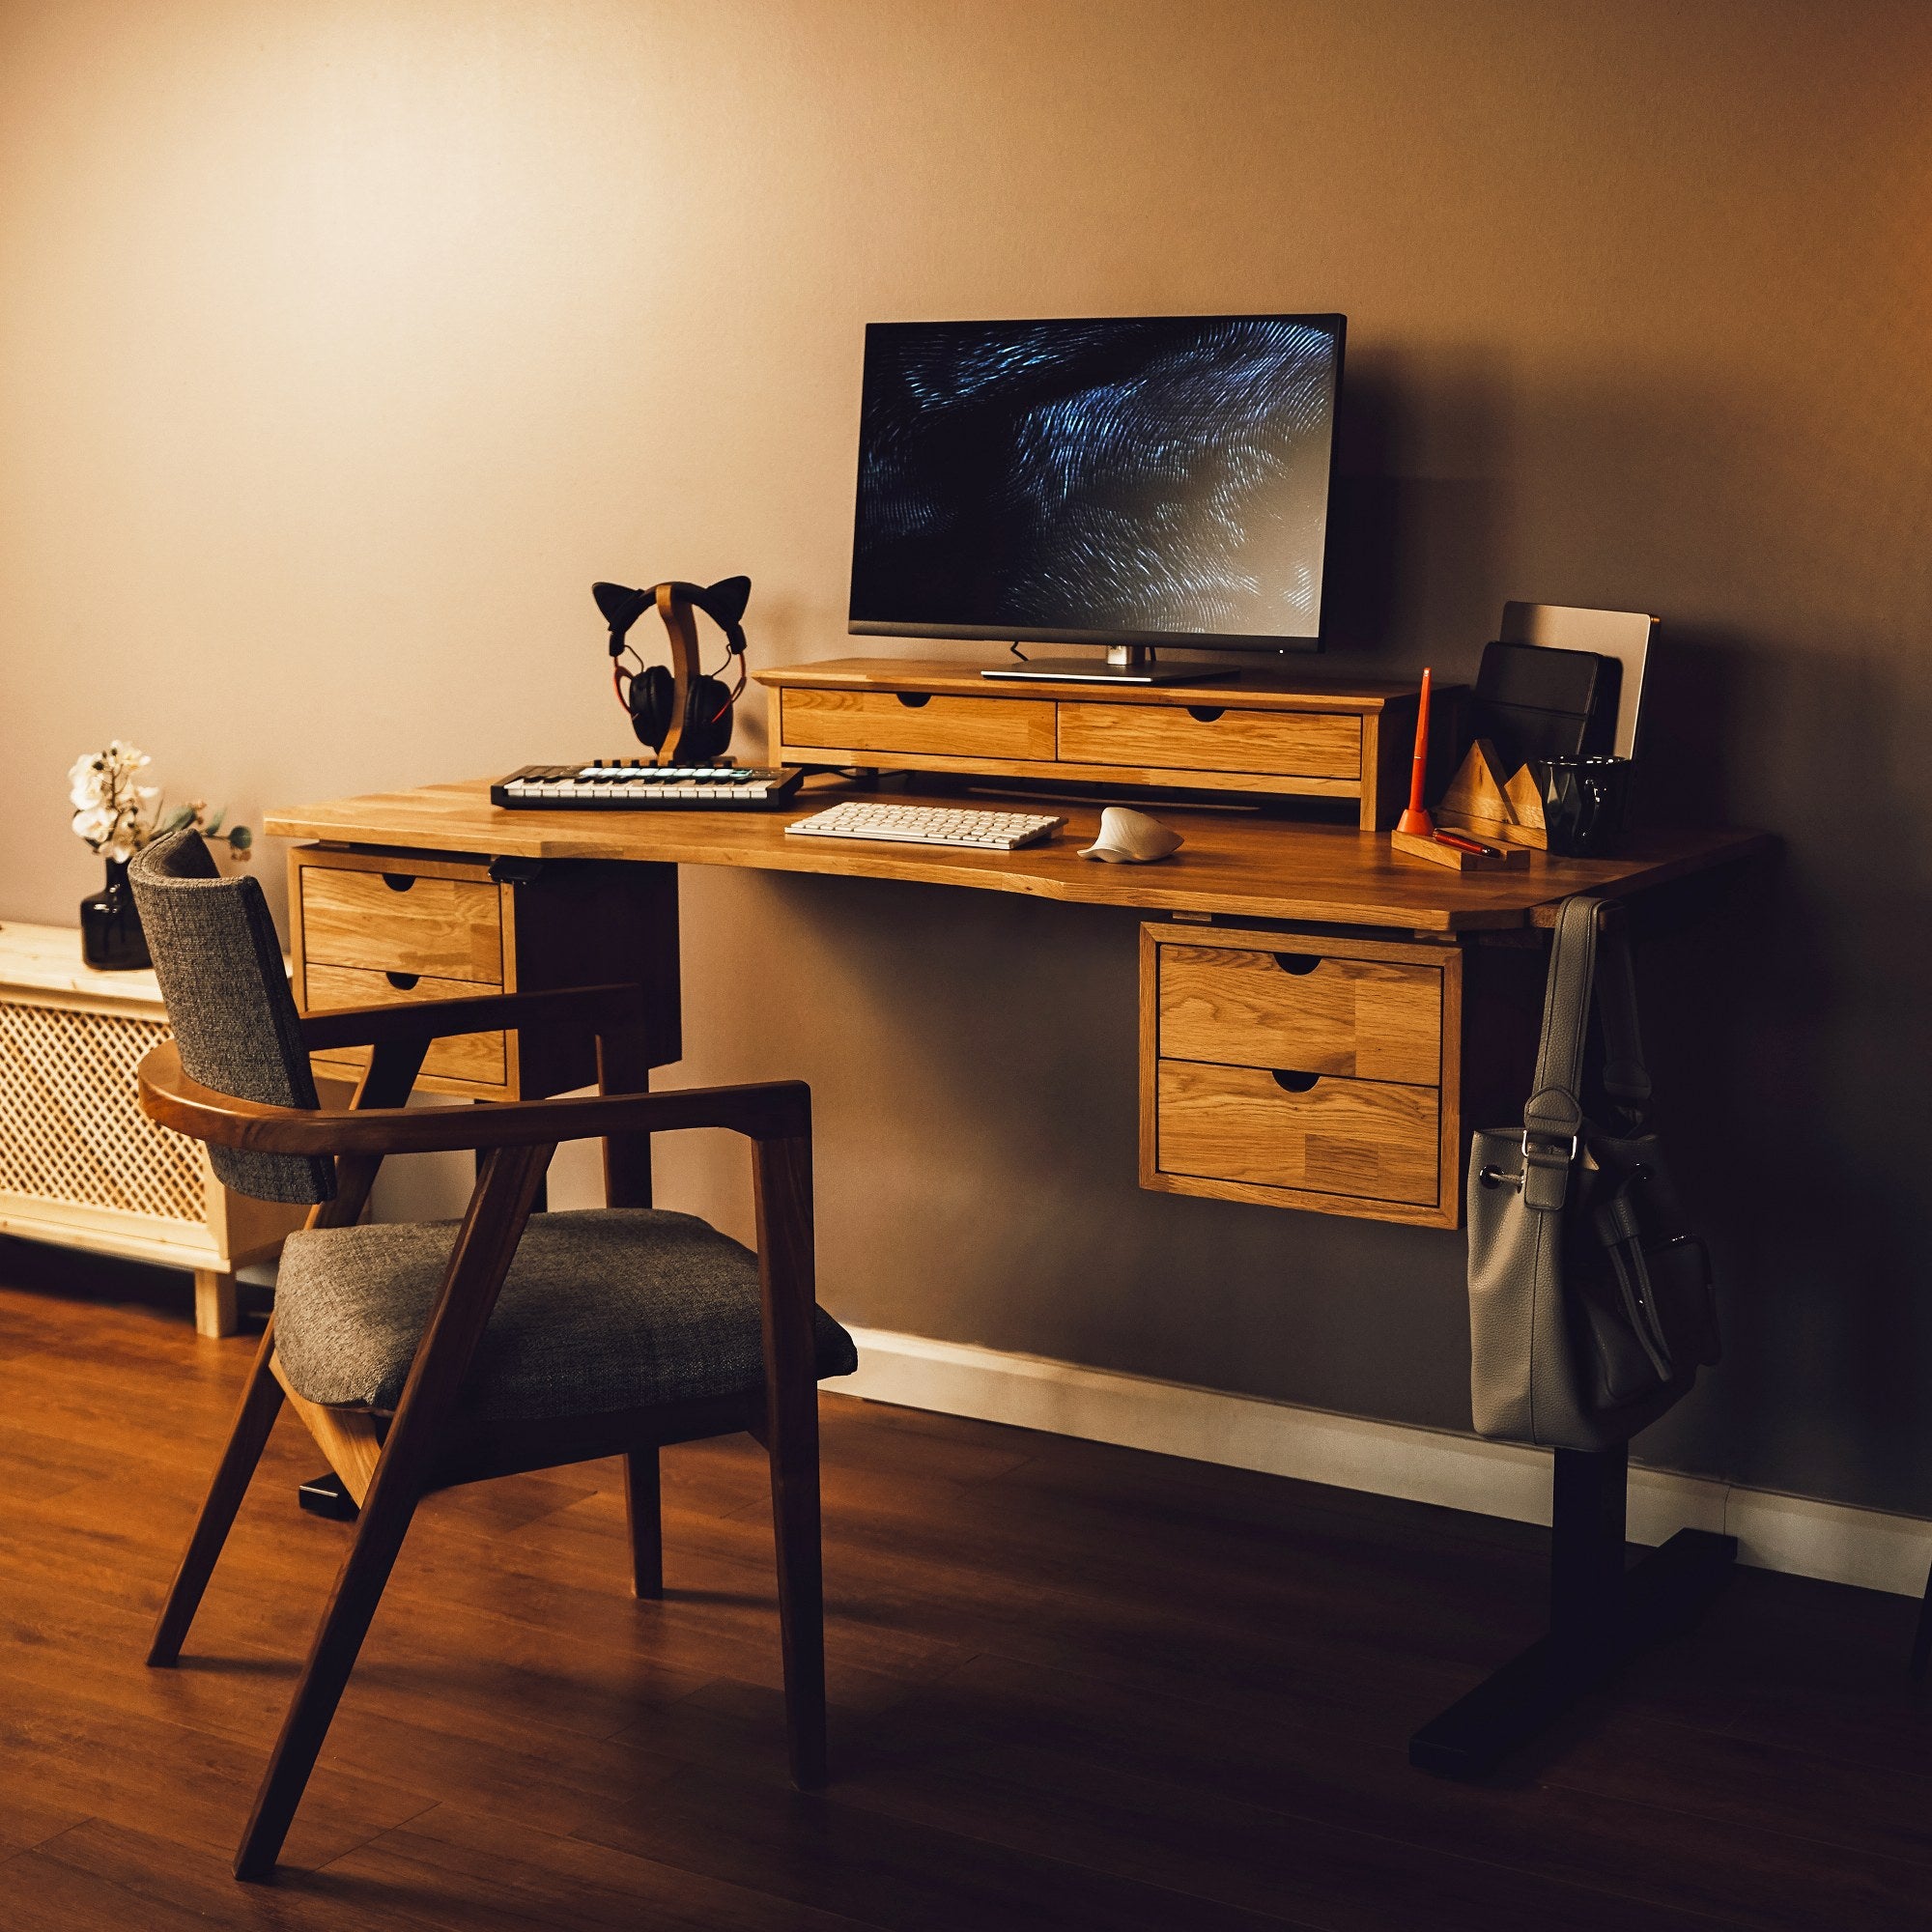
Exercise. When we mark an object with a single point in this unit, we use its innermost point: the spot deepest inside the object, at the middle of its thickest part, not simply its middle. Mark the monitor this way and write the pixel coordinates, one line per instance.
(1129, 482)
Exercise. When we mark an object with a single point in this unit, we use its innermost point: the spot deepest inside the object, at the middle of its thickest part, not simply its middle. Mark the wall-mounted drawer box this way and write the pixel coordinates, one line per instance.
(915, 724)
(1209, 738)
(404, 921)
(376, 928)
(1303, 1072)
(1362, 1140)
(1372, 1019)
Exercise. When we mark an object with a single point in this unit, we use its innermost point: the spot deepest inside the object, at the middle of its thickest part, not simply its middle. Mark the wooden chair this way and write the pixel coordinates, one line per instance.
(422, 1356)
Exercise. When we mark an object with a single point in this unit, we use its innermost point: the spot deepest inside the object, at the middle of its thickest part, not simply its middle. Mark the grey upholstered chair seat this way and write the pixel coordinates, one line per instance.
(606, 1308)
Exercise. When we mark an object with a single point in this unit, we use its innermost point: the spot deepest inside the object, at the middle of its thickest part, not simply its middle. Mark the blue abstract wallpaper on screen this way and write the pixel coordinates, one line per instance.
(1164, 476)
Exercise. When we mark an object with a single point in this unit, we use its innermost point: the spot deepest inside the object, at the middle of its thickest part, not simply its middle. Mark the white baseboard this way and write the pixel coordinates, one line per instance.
(1798, 1534)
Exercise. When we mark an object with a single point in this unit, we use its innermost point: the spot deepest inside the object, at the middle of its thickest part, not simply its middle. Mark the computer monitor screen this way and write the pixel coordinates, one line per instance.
(1153, 481)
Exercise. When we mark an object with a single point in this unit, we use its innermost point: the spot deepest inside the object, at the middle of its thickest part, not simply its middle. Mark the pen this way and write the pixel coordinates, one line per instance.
(1463, 844)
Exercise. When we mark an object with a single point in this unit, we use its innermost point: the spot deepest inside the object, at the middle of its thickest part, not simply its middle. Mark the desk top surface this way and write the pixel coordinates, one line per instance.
(1237, 865)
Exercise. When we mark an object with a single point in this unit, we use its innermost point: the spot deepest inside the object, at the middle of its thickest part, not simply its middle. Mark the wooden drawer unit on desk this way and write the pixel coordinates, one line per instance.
(1262, 733)
(376, 927)
(1303, 1072)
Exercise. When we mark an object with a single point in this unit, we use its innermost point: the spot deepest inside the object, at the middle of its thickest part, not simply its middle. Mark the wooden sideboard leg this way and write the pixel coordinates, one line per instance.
(216, 1303)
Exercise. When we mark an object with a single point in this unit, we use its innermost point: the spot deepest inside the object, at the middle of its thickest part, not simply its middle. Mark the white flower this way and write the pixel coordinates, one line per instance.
(86, 781)
(111, 812)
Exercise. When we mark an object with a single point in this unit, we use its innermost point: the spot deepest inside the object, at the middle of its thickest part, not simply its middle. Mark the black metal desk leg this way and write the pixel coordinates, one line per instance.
(1599, 1616)
(1922, 1643)
(1588, 1523)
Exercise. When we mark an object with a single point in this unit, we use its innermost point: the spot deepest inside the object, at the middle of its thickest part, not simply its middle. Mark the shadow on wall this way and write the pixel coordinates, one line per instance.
(1788, 1006)
(1788, 1002)
(1422, 505)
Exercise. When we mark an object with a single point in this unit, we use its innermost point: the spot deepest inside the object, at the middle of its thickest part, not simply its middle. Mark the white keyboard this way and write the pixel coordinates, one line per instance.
(928, 825)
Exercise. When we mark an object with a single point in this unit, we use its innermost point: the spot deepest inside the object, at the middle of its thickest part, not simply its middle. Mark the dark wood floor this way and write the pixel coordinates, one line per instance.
(1073, 1688)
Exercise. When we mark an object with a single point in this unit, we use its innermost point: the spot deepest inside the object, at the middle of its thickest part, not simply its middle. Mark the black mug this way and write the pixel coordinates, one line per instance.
(1582, 804)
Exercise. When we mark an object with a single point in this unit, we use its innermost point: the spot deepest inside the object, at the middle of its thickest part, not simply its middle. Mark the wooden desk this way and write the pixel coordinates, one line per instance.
(1321, 1015)
(1321, 1021)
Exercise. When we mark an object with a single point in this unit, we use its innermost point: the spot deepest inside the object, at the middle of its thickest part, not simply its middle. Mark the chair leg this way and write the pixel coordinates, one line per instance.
(644, 1508)
(1922, 1643)
(801, 1607)
(352, 1606)
(261, 1403)
(484, 1247)
(781, 1182)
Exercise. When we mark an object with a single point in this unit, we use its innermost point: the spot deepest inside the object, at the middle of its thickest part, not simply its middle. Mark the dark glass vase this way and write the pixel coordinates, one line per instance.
(110, 928)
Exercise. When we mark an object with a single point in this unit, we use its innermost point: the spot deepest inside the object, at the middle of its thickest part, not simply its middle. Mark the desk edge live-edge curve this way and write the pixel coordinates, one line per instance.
(1237, 865)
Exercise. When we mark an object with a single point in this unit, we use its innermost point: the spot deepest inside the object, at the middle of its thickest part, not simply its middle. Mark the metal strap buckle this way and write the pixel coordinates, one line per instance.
(1575, 1142)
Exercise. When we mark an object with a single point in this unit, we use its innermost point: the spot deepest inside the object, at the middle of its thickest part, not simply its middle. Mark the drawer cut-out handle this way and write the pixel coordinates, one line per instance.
(1297, 963)
(1205, 714)
(399, 882)
(402, 981)
(912, 699)
(1291, 1082)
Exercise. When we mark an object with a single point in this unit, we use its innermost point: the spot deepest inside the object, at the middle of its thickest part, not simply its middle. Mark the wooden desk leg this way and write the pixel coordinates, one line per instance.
(1600, 1616)
(624, 1066)
(216, 1303)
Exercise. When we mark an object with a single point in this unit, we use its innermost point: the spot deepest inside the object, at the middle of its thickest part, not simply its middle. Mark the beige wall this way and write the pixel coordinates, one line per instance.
(342, 345)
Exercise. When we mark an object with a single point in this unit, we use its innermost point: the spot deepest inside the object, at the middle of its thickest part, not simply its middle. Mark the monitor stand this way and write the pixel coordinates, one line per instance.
(1125, 663)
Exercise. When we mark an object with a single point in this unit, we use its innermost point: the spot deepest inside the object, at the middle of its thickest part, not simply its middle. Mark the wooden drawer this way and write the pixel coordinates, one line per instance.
(1369, 1140)
(1282, 744)
(1373, 1019)
(403, 923)
(1328, 1080)
(481, 1057)
(884, 720)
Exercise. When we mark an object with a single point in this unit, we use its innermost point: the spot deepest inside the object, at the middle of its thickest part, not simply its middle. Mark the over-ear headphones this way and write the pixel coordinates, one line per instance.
(697, 729)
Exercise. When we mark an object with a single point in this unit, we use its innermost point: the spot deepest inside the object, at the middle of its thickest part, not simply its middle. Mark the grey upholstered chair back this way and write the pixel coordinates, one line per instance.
(234, 1018)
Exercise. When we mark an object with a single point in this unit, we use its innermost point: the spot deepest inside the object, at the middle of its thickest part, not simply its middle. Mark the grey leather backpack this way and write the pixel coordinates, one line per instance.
(1590, 1303)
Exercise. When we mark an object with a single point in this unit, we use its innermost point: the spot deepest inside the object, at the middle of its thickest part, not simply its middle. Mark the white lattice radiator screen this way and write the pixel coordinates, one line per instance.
(72, 1130)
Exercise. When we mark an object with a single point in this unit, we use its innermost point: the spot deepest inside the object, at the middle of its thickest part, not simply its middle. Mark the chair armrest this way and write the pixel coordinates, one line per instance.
(763, 1110)
(593, 1007)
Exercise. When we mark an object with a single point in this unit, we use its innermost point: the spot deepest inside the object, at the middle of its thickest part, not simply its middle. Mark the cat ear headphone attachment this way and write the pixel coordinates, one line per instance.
(682, 713)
